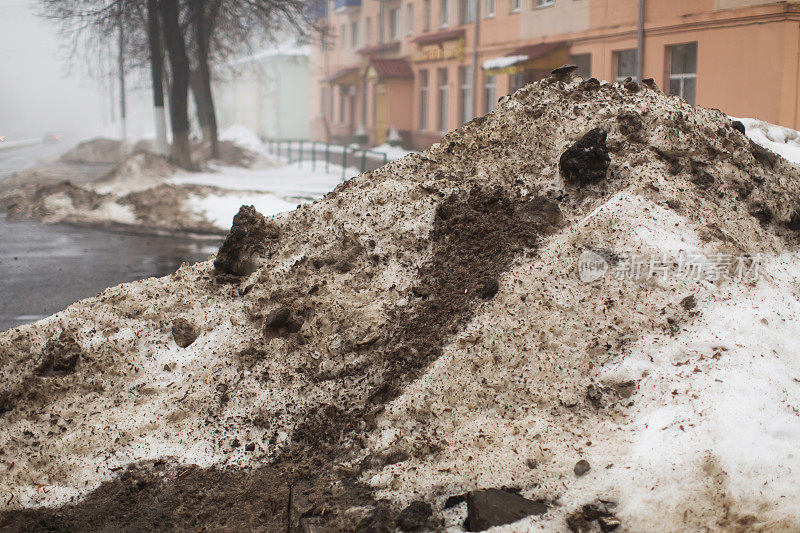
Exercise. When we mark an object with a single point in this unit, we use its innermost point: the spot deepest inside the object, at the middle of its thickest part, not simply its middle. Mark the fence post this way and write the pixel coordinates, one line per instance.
(363, 160)
(279, 150)
(314, 155)
(385, 158)
(301, 154)
(344, 162)
(327, 157)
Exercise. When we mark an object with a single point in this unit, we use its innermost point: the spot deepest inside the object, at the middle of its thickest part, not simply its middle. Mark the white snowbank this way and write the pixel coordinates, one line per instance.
(392, 152)
(783, 141)
(219, 209)
(244, 137)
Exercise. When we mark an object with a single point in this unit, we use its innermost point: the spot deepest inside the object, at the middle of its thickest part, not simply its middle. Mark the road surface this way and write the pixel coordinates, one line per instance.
(44, 268)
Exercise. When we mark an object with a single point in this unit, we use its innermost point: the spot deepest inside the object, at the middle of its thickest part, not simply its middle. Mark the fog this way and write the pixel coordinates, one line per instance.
(39, 93)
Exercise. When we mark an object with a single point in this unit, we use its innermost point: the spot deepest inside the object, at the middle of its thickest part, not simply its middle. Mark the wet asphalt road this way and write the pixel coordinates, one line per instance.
(45, 268)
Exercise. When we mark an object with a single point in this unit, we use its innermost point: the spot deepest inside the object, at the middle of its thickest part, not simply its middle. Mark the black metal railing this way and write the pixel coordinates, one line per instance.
(313, 152)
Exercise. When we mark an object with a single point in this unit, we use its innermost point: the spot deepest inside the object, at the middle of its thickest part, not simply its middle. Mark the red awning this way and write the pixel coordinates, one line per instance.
(392, 68)
(432, 38)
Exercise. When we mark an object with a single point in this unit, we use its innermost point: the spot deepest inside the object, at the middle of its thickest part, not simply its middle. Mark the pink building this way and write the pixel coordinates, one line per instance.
(423, 67)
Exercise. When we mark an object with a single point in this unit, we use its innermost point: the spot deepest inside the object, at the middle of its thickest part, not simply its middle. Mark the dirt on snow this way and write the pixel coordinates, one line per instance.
(419, 351)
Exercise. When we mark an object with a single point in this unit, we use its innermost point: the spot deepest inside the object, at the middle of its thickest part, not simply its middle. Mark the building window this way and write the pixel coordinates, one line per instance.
(443, 89)
(368, 31)
(490, 8)
(490, 93)
(423, 99)
(394, 24)
(323, 101)
(683, 70)
(342, 35)
(342, 100)
(625, 64)
(410, 19)
(354, 33)
(444, 16)
(465, 85)
(515, 4)
(426, 24)
(584, 64)
(467, 13)
(381, 28)
(545, 3)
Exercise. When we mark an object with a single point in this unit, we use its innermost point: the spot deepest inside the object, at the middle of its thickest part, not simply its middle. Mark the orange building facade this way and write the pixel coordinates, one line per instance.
(418, 68)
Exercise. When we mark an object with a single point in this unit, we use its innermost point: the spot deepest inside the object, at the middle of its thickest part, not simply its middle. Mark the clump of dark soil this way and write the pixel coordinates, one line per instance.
(587, 160)
(60, 355)
(494, 507)
(184, 332)
(415, 516)
(246, 243)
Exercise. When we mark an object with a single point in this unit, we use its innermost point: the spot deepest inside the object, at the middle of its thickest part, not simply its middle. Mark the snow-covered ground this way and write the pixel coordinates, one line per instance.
(271, 190)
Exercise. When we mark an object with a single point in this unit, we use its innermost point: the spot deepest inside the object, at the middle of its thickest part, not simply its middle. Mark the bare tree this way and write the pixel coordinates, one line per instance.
(192, 34)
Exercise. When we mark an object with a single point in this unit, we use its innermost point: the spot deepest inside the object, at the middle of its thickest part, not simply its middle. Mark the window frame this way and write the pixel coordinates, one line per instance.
(541, 4)
(427, 12)
(354, 33)
(491, 9)
(490, 102)
(443, 98)
(394, 24)
(681, 77)
(409, 19)
(465, 94)
(515, 6)
(466, 11)
(424, 94)
(444, 13)
(574, 61)
(615, 56)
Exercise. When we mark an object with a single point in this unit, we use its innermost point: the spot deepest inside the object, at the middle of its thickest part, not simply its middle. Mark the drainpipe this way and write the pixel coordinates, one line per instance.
(475, 58)
(640, 42)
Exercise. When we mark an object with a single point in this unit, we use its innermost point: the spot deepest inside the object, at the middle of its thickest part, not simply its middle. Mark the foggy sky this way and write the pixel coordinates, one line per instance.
(36, 93)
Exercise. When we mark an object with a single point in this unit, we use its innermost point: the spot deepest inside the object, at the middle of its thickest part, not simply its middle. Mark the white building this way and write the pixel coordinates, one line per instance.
(268, 92)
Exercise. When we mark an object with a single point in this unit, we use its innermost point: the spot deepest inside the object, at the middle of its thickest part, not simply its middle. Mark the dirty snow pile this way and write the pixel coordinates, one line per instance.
(588, 298)
(144, 192)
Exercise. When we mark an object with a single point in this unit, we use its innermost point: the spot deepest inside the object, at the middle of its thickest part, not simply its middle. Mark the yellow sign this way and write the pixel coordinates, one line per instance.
(444, 50)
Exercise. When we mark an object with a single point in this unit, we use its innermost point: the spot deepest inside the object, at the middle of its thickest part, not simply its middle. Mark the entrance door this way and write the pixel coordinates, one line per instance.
(380, 114)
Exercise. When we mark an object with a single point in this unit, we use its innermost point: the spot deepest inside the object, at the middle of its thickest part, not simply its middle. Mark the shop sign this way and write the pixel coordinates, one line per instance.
(444, 50)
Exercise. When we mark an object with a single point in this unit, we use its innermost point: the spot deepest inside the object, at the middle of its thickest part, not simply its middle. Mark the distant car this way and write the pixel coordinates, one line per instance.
(51, 138)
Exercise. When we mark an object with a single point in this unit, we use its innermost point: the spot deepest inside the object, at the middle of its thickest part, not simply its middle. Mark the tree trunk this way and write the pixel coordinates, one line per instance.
(181, 152)
(157, 75)
(203, 19)
(195, 84)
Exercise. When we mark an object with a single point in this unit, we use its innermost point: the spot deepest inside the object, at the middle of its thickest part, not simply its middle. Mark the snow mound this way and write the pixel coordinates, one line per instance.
(243, 137)
(100, 150)
(589, 296)
(140, 170)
